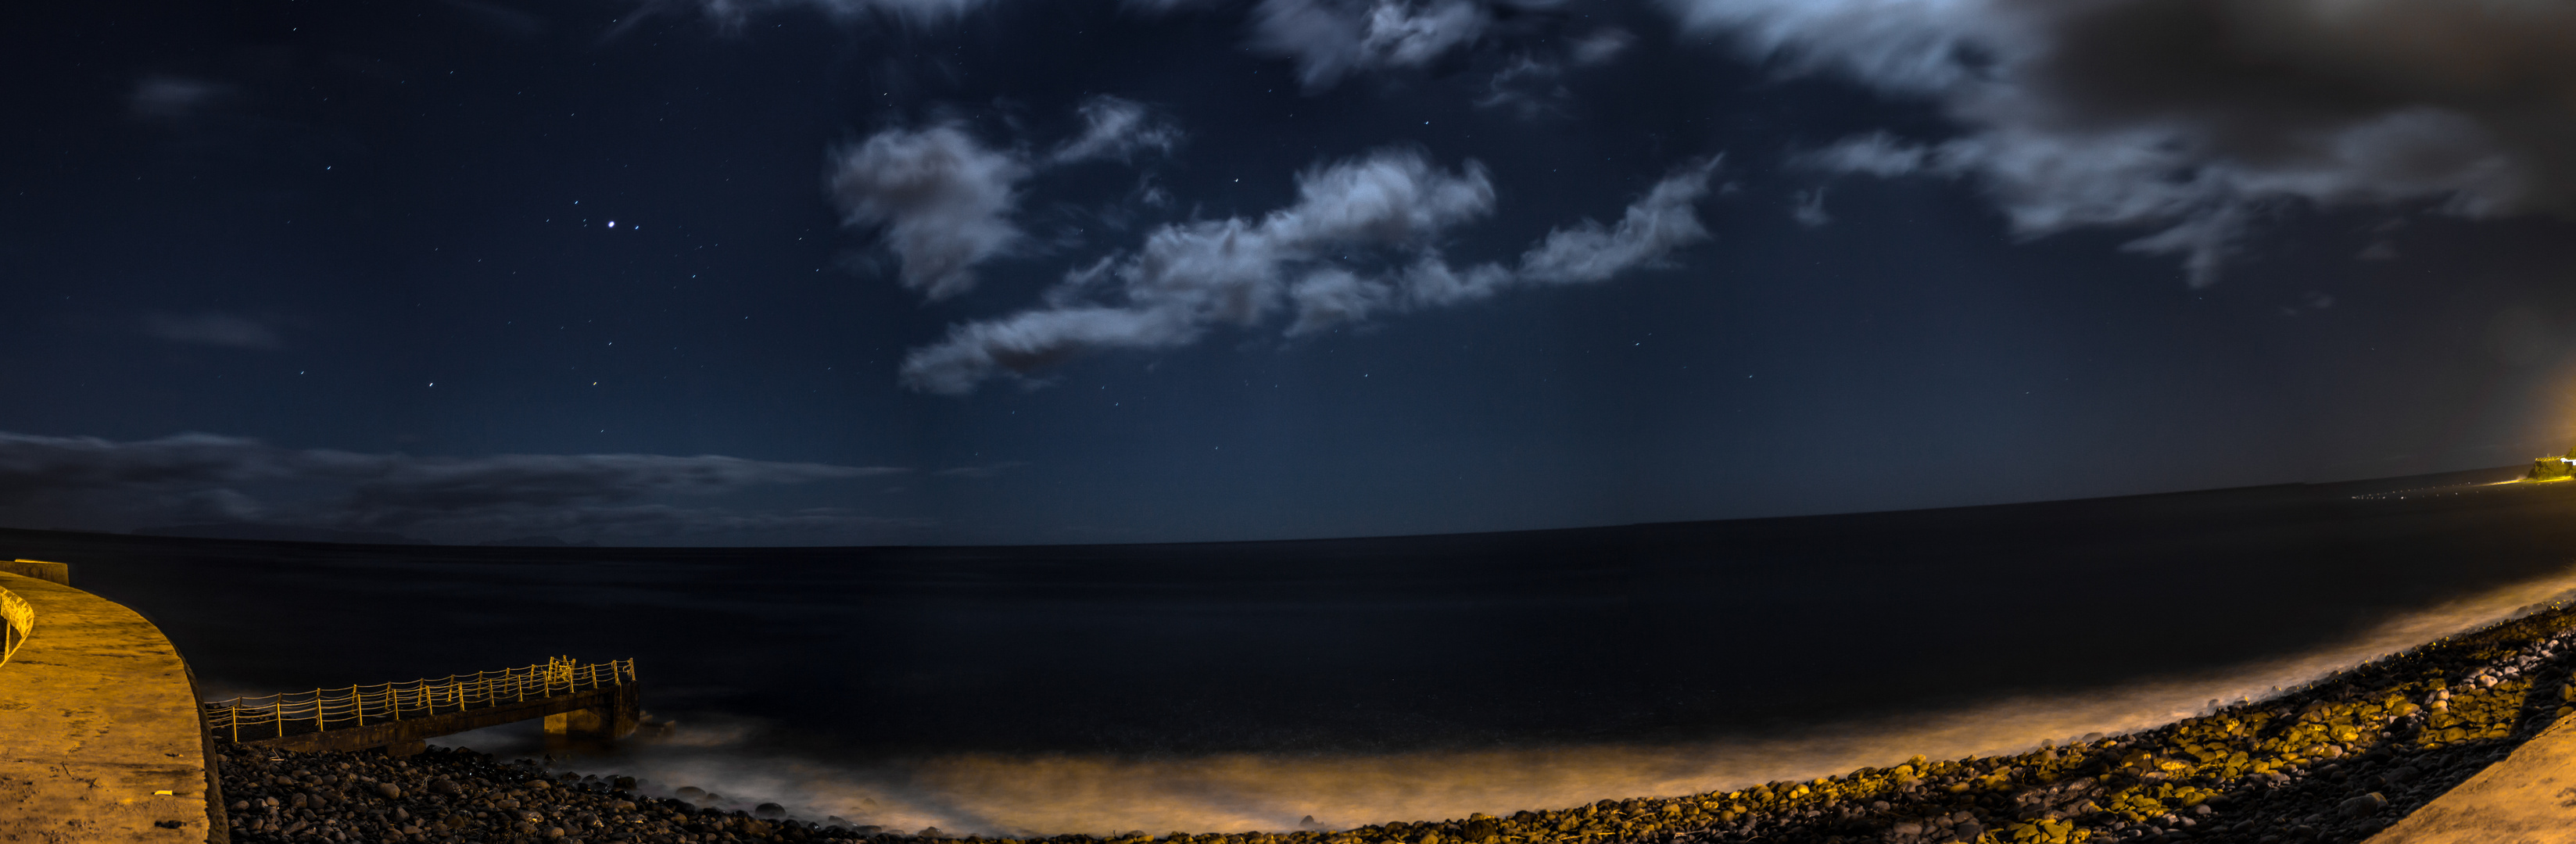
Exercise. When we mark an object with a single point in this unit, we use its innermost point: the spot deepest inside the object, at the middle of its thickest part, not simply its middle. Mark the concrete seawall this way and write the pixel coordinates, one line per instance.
(100, 735)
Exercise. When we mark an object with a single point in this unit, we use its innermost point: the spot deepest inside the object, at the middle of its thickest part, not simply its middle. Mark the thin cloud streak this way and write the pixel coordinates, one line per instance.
(213, 328)
(206, 477)
(912, 12)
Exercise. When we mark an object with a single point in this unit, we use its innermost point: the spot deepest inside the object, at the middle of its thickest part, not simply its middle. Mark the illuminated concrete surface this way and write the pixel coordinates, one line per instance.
(99, 733)
(2528, 798)
(39, 569)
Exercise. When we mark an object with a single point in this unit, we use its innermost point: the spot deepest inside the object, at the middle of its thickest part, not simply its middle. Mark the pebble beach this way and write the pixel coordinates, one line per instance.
(2333, 761)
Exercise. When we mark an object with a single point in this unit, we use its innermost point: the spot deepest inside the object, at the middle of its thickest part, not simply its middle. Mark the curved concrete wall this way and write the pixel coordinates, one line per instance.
(16, 621)
(39, 570)
(100, 737)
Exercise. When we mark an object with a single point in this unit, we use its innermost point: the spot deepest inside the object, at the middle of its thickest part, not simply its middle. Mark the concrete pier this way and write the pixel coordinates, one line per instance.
(607, 713)
(100, 737)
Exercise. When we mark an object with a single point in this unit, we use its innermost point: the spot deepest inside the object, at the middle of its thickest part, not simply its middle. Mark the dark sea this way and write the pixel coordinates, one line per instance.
(1238, 686)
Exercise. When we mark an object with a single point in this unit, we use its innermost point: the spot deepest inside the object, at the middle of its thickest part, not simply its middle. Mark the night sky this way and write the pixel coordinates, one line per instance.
(738, 272)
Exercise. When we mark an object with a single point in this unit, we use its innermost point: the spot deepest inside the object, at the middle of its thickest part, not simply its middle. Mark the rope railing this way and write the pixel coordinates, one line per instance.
(294, 713)
(16, 621)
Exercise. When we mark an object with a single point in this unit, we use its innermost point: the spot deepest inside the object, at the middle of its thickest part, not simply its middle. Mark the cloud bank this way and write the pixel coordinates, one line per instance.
(204, 477)
(1362, 238)
(2191, 120)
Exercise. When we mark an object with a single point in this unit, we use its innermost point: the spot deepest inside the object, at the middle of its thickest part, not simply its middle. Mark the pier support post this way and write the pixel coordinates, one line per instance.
(579, 722)
(615, 720)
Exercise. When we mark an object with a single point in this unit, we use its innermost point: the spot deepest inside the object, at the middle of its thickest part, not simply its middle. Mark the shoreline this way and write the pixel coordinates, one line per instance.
(2334, 761)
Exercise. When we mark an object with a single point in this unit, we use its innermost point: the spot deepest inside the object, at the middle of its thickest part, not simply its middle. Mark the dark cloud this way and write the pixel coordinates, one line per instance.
(203, 477)
(213, 329)
(1363, 237)
(2193, 118)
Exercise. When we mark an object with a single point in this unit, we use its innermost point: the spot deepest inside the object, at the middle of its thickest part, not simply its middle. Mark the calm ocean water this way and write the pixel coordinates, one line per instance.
(1244, 686)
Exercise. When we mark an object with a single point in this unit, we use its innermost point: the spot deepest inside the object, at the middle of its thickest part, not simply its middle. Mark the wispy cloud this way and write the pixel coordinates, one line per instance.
(213, 328)
(1331, 38)
(1650, 229)
(1602, 45)
(2190, 121)
(913, 12)
(1363, 237)
(1117, 128)
(988, 470)
(204, 477)
(943, 202)
(171, 98)
(1809, 208)
(1533, 83)
(1528, 87)
(1191, 276)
